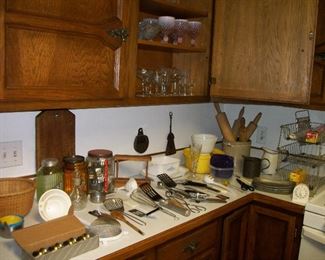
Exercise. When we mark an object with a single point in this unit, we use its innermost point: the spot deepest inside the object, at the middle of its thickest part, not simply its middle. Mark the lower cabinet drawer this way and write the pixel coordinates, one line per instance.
(190, 244)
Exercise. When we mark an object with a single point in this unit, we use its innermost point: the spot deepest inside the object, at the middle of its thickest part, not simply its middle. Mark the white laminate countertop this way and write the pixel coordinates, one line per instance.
(156, 223)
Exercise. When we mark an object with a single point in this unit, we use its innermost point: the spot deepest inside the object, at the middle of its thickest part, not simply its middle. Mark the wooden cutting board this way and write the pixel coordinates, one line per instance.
(55, 135)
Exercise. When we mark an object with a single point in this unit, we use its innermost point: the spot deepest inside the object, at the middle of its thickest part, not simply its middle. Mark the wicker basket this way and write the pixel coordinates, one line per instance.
(16, 196)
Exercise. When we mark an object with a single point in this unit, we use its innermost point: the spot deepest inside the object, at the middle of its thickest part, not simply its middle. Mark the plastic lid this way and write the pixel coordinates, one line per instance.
(100, 153)
(74, 159)
(50, 162)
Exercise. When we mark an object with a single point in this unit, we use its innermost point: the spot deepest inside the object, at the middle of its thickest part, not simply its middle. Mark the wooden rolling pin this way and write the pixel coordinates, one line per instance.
(252, 126)
(236, 124)
(224, 124)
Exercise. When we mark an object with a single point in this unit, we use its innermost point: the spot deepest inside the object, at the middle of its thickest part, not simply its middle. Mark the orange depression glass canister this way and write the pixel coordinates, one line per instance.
(73, 166)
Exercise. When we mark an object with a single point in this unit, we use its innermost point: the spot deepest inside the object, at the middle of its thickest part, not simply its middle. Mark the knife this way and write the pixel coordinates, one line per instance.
(200, 184)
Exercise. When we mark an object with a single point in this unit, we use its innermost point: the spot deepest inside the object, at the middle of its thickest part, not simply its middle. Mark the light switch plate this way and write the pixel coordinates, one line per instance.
(11, 154)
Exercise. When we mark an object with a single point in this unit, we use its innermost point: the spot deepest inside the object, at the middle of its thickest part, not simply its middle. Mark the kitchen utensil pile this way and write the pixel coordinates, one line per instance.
(239, 131)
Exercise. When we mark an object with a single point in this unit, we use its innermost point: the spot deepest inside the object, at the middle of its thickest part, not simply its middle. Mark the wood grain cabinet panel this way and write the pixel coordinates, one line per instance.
(272, 234)
(198, 244)
(234, 235)
(263, 50)
(62, 50)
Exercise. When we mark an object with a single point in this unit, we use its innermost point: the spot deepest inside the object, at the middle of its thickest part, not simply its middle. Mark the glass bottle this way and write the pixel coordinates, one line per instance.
(72, 165)
(101, 171)
(78, 196)
(48, 176)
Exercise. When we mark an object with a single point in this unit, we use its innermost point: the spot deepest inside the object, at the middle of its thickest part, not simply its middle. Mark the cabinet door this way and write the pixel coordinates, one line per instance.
(263, 50)
(62, 50)
(318, 83)
(234, 235)
(272, 234)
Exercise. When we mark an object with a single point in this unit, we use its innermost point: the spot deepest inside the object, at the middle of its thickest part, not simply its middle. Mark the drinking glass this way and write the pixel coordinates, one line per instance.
(195, 155)
(145, 84)
(193, 30)
(167, 25)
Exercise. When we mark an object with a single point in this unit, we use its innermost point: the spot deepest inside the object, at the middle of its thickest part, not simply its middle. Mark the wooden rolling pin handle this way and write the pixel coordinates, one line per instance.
(257, 118)
(216, 105)
(225, 127)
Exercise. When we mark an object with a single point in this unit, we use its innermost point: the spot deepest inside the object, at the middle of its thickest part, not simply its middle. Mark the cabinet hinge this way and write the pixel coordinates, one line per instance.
(212, 80)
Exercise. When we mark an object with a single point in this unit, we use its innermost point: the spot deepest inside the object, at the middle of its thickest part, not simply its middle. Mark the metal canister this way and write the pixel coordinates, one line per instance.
(75, 165)
(101, 171)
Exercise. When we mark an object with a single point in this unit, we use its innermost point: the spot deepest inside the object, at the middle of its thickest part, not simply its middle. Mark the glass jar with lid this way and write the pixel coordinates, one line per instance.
(48, 176)
(75, 165)
(101, 171)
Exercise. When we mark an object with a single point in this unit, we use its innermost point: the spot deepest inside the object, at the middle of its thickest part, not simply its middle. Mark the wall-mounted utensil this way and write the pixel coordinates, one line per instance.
(224, 124)
(141, 142)
(170, 149)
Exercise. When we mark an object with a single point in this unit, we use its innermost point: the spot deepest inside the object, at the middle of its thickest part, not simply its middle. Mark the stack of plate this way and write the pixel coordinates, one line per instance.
(273, 184)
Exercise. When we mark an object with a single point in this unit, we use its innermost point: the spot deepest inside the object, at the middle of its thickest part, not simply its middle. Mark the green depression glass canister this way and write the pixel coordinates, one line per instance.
(49, 176)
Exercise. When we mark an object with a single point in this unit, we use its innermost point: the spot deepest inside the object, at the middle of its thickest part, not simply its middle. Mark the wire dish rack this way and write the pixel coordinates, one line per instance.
(302, 146)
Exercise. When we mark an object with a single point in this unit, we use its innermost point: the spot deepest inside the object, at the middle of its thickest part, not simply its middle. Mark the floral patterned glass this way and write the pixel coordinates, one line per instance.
(167, 25)
(180, 28)
(193, 30)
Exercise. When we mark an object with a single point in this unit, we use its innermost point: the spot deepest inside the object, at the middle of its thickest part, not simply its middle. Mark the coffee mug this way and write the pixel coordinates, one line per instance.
(272, 156)
(253, 166)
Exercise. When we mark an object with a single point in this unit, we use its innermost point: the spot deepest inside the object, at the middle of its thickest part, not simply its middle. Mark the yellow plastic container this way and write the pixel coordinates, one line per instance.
(203, 165)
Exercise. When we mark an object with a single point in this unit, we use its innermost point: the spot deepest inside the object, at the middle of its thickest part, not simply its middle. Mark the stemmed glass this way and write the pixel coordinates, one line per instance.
(167, 25)
(180, 29)
(195, 155)
(193, 30)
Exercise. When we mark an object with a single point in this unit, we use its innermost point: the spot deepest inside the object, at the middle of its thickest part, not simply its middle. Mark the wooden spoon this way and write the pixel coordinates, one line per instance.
(119, 215)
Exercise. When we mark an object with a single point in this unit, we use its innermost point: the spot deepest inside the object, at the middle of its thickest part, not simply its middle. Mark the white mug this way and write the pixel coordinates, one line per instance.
(273, 157)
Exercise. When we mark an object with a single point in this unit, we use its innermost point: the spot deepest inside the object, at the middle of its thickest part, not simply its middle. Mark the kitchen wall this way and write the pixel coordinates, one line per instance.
(113, 128)
(116, 128)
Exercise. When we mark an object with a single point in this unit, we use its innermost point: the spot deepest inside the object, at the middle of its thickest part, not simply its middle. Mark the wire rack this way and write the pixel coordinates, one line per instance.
(298, 152)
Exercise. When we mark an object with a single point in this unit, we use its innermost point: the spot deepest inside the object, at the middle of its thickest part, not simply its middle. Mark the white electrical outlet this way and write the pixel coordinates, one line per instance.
(11, 154)
(261, 132)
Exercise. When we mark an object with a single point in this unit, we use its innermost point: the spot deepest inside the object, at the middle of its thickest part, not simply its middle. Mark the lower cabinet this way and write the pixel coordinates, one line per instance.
(256, 227)
(201, 243)
(262, 233)
(233, 241)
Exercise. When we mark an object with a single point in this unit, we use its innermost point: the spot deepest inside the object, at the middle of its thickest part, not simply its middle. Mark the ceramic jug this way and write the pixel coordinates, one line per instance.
(273, 157)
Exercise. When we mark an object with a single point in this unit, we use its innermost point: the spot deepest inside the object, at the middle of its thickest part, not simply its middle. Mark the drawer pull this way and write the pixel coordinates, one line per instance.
(191, 247)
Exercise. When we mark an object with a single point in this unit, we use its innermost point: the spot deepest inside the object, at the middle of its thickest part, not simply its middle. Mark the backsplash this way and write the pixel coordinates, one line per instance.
(116, 128)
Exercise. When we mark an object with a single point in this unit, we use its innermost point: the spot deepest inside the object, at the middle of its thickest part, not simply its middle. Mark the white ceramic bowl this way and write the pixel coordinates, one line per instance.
(208, 142)
(53, 204)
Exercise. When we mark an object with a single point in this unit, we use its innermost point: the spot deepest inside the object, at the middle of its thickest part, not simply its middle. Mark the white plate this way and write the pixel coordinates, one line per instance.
(53, 204)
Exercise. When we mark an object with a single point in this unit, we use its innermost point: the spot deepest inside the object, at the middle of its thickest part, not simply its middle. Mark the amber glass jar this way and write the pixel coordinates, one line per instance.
(101, 171)
(75, 166)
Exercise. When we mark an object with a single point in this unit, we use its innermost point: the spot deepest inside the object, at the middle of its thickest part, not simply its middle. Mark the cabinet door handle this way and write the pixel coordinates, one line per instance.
(121, 33)
(191, 247)
(311, 35)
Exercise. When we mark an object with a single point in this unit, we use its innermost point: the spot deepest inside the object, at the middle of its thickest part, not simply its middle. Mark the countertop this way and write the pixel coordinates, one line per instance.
(157, 223)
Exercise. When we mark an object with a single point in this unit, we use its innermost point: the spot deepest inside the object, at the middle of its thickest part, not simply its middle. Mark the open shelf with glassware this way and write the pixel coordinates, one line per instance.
(173, 49)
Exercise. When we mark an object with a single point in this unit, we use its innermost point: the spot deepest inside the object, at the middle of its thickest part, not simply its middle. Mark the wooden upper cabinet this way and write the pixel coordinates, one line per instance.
(318, 76)
(263, 50)
(62, 50)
